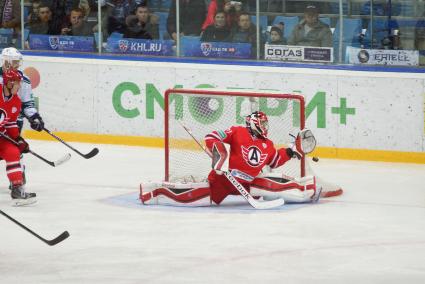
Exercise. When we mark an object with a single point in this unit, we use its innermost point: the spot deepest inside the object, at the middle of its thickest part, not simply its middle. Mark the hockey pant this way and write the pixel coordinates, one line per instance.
(11, 154)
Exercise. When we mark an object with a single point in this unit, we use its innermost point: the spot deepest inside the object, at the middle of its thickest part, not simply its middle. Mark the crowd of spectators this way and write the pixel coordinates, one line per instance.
(209, 20)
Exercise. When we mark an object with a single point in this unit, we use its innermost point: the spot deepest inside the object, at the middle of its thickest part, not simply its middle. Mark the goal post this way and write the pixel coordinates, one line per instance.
(205, 110)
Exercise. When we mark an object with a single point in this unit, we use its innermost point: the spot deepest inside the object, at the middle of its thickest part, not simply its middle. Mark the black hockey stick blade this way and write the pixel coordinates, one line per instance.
(58, 239)
(89, 155)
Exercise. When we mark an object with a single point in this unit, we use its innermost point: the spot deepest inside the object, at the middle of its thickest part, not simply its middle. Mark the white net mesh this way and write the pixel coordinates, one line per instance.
(207, 111)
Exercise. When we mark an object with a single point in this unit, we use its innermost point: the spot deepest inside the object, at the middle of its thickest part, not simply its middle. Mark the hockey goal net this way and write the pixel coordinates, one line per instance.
(201, 111)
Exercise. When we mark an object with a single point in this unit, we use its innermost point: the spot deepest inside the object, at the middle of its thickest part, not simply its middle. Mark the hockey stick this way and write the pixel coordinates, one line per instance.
(245, 194)
(89, 155)
(52, 242)
(53, 164)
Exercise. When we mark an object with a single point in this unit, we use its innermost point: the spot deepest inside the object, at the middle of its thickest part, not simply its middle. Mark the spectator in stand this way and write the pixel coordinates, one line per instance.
(217, 31)
(84, 5)
(311, 31)
(77, 27)
(33, 14)
(58, 10)
(120, 11)
(232, 9)
(44, 19)
(10, 16)
(245, 31)
(276, 36)
(192, 15)
(144, 24)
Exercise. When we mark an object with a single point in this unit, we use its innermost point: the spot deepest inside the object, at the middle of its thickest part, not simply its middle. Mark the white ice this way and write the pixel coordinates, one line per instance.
(374, 233)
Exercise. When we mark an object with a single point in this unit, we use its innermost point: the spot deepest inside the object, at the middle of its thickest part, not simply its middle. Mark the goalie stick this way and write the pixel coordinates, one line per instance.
(245, 194)
(89, 155)
(53, 164)
(52, 242)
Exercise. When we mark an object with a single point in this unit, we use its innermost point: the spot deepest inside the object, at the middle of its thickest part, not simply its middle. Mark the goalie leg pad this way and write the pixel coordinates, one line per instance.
(292, 191)
(176, 194)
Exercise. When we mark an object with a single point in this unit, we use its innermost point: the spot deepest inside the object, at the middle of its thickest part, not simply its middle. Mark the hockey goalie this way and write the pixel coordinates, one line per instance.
(250, 152)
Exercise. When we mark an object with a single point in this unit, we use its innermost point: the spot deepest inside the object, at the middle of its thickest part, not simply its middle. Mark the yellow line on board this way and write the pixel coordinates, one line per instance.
(98, 138)
(188, 144)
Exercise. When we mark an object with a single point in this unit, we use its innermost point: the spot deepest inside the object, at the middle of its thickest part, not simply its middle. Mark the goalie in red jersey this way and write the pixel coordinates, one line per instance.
(10, 107)
(250, 152)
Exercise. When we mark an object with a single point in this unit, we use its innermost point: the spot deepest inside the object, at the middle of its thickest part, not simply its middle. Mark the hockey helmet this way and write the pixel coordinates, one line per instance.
(258, 124)
(11, 58)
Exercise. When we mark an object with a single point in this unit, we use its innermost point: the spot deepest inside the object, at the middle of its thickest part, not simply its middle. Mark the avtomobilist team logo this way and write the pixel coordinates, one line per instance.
(123, 45)
(206, 48)
(54, 42)
(253, 156)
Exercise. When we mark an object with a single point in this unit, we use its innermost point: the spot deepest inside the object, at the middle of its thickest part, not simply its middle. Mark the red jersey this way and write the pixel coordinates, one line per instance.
(9, 111)
(248, 154)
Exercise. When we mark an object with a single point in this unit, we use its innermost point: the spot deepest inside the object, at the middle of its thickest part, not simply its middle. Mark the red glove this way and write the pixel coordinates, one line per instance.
(22, 145)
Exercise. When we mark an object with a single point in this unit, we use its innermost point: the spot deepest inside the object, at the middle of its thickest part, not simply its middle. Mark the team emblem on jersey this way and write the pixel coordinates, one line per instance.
(253, 156)
(14, 109)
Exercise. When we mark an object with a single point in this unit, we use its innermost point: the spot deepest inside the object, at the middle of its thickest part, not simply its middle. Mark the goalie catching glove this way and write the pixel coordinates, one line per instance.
(305, 143)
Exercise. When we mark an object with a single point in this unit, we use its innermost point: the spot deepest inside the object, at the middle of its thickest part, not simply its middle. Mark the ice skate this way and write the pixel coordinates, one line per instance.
(20, 197)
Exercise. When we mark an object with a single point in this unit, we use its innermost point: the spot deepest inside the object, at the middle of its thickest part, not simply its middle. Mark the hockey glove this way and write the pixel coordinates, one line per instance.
(293, 152)
(36, 122)
(22, 145)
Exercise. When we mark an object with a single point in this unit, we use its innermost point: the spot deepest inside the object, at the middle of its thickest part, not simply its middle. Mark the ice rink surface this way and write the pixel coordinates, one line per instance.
(374, 233)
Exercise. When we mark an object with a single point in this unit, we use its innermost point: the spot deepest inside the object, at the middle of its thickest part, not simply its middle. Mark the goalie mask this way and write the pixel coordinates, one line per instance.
(11, 58)
(258, 124)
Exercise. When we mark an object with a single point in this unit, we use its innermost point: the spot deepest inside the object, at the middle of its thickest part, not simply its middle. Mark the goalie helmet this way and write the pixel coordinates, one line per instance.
(11, 58)
(258, 124)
